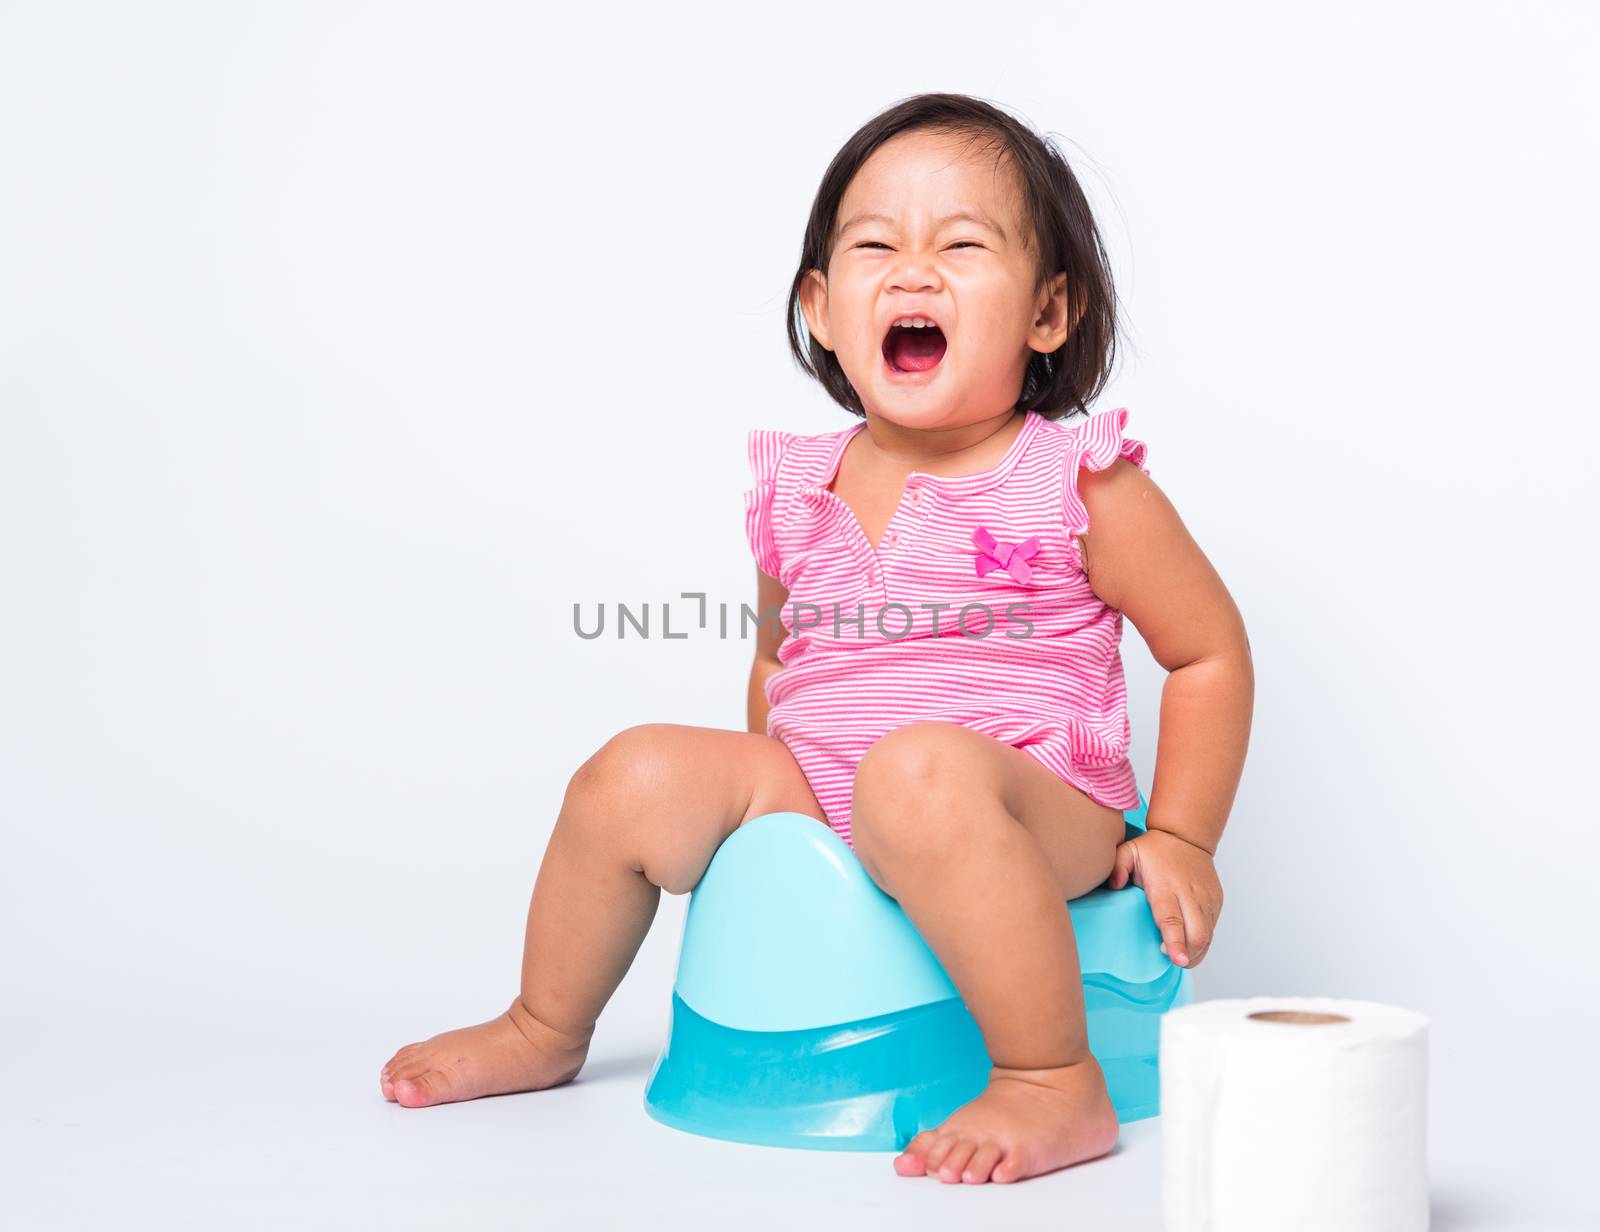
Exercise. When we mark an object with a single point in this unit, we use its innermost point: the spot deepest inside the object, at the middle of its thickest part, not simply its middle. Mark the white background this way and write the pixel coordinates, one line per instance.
(344, 347)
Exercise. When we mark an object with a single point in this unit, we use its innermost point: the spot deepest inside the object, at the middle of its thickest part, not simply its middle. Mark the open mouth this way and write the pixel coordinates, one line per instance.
(911, 350)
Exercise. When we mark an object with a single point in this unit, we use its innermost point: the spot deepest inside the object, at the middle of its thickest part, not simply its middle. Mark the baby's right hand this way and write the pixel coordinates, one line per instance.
(1181, 883)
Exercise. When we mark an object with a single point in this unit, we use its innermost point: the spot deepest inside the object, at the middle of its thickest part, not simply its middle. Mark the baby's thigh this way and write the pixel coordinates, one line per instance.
(671, 793)
(1078, 835)
(923, 762)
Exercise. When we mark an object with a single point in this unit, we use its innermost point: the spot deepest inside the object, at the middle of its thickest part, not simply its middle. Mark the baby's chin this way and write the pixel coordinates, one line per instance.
(933, 417)
(940, 403)
(948, 395)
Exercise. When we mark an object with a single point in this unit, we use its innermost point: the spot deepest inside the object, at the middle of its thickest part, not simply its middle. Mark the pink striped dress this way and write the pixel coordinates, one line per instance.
(975, 608)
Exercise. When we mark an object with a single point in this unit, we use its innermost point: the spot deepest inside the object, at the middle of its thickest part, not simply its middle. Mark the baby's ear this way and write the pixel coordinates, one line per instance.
(814, 304)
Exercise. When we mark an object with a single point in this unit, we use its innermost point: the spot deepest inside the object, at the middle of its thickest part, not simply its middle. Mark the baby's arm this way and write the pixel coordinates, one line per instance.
(771, 594)
(1141, 560)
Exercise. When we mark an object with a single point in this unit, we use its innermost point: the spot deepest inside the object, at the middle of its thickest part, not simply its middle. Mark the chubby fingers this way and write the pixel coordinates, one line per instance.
(1168, 913)
(1197, 926)
(1197, 923)
(1127, 863)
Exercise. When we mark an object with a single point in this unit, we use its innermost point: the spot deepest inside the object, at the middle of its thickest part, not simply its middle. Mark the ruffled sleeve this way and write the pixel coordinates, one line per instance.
(766, 448)
(1099, 442)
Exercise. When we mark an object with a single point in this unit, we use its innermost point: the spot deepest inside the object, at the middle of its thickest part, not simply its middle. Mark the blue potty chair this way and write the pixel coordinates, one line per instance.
(809, 1012)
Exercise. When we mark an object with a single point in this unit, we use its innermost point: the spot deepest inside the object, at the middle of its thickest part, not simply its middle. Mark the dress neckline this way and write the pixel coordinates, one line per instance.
(976, 482)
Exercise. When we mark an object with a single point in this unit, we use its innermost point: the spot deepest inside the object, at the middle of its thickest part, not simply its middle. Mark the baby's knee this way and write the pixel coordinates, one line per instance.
(630, 802)
(619, 771)
(914, 787)
(929, 762)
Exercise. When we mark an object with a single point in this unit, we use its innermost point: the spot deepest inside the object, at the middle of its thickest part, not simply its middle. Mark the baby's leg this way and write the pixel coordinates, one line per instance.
(982, 845)
(645, 813)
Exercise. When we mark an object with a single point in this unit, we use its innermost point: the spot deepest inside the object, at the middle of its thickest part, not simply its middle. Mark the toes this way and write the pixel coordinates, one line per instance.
(395, 1067)
(956, 1160)
(401, 1055)
(910, 1162)
(421, 1090)
(1007, 1170)
(936, 1152)
(412, 1066)
(981, 1164)
(909, 1165)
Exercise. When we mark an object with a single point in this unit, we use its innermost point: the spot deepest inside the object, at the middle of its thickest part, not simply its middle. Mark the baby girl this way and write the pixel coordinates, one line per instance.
(945, 688)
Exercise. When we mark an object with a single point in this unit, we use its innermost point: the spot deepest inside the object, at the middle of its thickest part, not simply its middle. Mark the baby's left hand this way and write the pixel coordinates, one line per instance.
(1181, 883)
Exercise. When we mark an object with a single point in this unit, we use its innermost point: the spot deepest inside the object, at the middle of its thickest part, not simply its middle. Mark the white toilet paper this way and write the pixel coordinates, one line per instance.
(1303, 1113)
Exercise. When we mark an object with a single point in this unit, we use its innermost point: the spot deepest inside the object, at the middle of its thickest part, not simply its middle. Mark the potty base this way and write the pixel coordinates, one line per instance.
(873, 1084)
(861, 1086)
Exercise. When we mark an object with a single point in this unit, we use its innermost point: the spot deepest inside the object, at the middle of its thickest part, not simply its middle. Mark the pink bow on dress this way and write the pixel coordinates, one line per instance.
(1012, 557)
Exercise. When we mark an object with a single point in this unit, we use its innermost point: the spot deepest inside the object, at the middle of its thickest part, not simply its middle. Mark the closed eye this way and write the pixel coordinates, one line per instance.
(957, 244)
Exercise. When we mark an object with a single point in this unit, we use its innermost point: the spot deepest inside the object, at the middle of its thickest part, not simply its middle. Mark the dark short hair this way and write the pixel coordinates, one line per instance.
(1064, 238)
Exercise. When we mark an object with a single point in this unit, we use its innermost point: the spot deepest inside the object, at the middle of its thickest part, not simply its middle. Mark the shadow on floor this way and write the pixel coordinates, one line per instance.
(634, 1067)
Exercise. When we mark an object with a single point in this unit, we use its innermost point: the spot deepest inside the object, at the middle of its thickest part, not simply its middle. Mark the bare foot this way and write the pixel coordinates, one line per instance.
(514, 1052)
(1027, 1121)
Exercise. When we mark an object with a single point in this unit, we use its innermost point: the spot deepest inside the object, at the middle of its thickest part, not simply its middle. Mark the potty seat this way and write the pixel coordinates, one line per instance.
(809, 1012)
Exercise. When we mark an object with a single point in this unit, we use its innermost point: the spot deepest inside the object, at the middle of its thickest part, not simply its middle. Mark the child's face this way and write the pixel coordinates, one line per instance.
(976, 280)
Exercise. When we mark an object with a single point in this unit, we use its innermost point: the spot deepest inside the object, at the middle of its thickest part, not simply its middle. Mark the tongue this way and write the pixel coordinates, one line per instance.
(915, 350)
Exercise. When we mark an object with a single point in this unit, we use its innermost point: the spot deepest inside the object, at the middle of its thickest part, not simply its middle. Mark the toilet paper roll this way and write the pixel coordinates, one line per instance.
(1304, 1113)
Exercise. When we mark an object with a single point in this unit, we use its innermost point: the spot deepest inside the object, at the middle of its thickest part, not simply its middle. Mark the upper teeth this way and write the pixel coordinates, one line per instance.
(914, 322)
